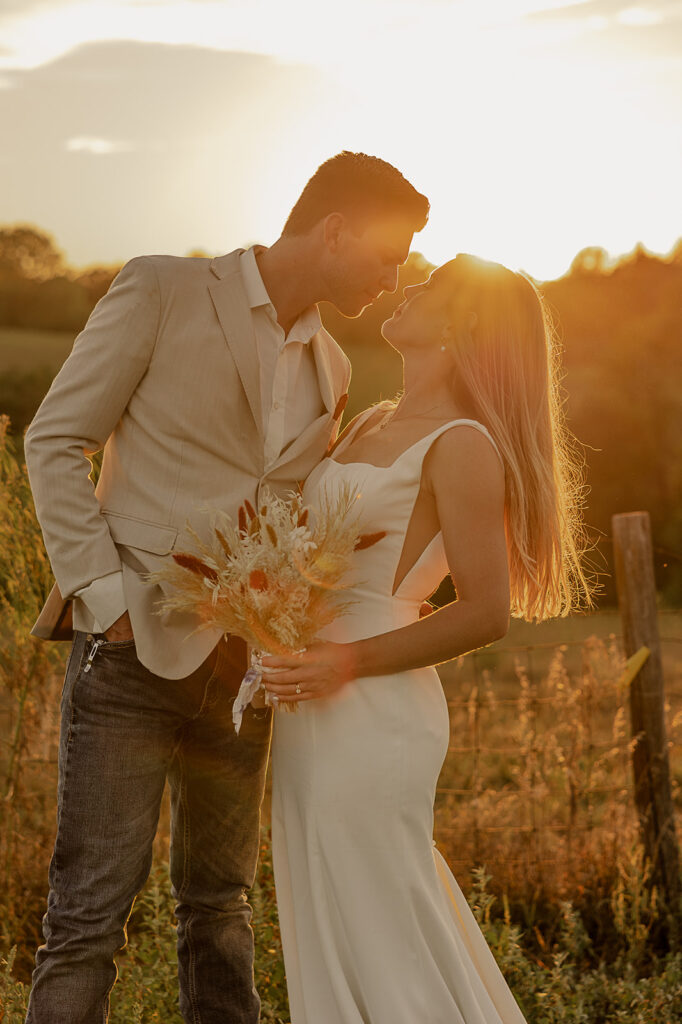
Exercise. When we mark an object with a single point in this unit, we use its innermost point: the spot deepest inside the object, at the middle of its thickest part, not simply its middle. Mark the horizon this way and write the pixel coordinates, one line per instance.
(610, 261)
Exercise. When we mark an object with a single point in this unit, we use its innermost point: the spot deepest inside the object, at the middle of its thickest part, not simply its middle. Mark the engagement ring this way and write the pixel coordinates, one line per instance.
(298, 687)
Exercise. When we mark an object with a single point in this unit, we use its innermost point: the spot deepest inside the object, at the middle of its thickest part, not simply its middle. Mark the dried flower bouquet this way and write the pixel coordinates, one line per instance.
(274, 578)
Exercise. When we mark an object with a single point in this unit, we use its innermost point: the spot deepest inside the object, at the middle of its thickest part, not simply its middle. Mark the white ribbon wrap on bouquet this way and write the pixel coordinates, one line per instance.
(251, 684)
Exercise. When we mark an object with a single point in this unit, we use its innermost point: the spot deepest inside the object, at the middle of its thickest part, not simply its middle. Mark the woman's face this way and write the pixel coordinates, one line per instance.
(423, 318)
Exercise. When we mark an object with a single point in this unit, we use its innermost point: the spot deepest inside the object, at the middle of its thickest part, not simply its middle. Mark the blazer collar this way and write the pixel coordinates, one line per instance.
(221, 266)
(234, 314)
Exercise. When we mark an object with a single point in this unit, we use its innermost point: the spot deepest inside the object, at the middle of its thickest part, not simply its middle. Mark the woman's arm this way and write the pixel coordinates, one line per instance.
(466, 478)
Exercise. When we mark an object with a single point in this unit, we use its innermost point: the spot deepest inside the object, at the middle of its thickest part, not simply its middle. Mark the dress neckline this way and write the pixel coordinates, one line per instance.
(449, 423)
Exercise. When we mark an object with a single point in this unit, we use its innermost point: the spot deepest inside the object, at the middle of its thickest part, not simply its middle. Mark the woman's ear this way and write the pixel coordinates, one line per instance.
(447, 338)
(467, 324)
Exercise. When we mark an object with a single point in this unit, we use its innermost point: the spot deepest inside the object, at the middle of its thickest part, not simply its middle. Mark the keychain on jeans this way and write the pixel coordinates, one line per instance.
(93, 651)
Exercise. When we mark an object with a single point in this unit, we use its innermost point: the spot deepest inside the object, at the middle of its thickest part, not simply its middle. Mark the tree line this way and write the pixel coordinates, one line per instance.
(620, 324)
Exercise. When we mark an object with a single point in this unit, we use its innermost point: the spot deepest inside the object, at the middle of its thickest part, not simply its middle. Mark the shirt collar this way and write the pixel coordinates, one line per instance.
(256, 294)
(307, 323)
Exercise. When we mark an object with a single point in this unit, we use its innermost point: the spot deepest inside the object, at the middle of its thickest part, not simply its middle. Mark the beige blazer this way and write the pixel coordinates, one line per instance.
(164, 377)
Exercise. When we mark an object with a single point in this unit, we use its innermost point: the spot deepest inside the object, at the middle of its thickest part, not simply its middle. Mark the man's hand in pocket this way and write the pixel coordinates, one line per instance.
(120, 630)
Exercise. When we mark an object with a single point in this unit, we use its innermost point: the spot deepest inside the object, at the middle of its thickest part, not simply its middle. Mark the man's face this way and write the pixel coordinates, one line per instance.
(360, 266)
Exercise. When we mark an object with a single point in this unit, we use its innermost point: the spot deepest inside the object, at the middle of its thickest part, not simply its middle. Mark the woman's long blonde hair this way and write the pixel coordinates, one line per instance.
(507, 373)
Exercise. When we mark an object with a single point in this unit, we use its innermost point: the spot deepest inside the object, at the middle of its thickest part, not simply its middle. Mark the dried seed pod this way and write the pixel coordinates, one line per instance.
(258, 580)
(195, 565)
(242, 519)
(367, 540)
(303, 518)
(251, 512)
(223, 542)
(271, 534)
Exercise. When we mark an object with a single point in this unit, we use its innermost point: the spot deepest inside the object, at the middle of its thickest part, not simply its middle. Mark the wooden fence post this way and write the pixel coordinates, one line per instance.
(633, 555)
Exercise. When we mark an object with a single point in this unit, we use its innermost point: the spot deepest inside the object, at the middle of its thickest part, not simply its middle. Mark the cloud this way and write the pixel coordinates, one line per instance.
(639, 17)
(24, 7)
(38, 32)
(651, 12)
(115, 98)
(651, 29)
(218, 144)
(95, 145)
(121, 141)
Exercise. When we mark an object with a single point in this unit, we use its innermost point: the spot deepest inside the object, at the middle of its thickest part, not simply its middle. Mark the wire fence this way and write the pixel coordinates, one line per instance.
(538, 783)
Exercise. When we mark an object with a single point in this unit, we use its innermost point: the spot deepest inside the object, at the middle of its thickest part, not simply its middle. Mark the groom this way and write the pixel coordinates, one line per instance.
(203, 380)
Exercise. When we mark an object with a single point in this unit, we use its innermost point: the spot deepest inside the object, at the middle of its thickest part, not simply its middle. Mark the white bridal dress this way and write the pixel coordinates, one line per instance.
(374, 926)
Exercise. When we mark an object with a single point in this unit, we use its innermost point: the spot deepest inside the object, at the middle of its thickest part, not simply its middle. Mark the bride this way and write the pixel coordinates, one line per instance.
(469, 473)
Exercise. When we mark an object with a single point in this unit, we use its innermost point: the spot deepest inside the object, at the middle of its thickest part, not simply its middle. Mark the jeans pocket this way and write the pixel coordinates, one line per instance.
(114, 645)
(255, 732)
(76, 653)
(74, 665)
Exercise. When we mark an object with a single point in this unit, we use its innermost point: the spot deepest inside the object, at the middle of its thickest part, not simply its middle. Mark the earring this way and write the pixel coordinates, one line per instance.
(442, 348)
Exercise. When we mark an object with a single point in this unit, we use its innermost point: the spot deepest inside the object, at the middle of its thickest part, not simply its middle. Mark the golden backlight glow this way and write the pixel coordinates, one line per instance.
(536, 128)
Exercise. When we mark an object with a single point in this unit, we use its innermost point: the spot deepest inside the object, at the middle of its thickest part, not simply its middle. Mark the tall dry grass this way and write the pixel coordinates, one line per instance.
(31, 676)
(539, 793)
(538, 782)
(29, 688)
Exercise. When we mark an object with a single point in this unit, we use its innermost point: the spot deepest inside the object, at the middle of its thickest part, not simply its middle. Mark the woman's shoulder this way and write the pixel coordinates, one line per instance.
(466, 434)
(465, 449)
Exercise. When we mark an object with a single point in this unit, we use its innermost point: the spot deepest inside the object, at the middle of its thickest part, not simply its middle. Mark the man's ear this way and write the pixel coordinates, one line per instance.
(333, 226)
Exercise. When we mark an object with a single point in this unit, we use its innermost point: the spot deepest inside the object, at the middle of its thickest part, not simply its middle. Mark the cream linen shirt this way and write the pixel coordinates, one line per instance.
(290, 400)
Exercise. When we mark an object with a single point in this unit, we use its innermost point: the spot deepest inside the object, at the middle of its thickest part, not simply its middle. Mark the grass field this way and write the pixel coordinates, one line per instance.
(537, 643)
(29, 359)
(27, 350)
(536, 790)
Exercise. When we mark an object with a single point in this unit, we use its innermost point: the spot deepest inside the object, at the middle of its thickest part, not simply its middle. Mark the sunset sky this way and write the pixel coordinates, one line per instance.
(535, 128)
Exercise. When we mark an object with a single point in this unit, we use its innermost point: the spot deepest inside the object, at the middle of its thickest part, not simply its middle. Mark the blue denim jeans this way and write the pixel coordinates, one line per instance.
(123, 732)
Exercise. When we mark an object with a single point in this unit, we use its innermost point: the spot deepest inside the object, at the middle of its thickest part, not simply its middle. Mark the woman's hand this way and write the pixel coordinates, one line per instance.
(321, 671)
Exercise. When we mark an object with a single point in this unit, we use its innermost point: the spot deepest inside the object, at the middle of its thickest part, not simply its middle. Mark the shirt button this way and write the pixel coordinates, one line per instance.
(275, 405)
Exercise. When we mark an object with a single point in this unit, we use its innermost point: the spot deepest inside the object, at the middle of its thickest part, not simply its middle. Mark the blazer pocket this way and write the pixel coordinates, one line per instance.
(139, 533)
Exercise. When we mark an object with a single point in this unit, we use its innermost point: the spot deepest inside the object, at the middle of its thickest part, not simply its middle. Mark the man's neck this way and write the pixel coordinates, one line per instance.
(286, 273)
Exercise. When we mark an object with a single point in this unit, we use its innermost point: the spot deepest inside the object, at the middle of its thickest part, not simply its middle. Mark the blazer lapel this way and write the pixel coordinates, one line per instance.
(333, 374)
(318, 433)
(232, 308)
(325, 376)
(300, 457)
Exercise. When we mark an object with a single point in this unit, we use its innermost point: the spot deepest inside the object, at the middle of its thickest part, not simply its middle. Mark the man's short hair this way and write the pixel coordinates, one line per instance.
(362, 188)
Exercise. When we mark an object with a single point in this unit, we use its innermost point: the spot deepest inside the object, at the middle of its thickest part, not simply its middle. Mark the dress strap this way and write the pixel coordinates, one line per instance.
(461, 423)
